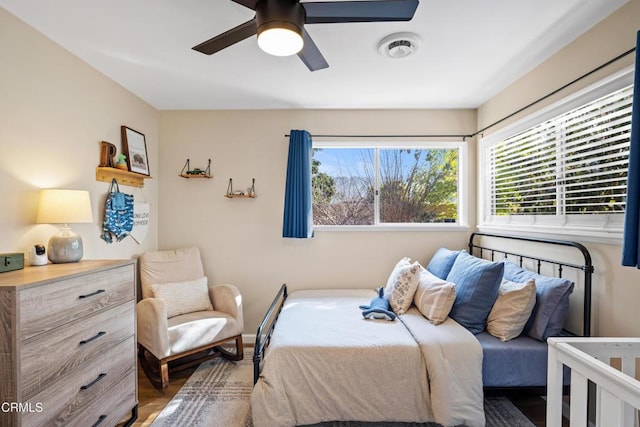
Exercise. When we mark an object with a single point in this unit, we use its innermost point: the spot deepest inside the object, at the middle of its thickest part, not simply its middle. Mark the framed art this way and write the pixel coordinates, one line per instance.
(135, 148)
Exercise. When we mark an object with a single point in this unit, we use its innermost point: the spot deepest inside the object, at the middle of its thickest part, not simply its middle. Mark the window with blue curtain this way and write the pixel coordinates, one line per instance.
(298, 213)
(631, 237)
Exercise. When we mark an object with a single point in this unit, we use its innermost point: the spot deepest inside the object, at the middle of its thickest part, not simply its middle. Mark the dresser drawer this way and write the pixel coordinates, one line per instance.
(95, 390)
(46, 307)
(118, 402)
(67, 349)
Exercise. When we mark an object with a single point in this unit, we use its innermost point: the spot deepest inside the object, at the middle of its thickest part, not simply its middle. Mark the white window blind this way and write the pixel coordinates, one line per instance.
(570, 170)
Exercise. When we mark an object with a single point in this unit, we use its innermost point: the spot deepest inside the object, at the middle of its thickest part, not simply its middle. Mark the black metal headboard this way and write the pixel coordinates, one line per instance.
(586, 267)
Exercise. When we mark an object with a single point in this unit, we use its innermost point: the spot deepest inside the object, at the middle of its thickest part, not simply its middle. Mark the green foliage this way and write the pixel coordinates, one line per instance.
(426, 194)
(324, 186)
(415, 186)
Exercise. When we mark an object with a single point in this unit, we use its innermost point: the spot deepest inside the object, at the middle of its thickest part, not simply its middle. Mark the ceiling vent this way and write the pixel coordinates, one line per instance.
(399, 45)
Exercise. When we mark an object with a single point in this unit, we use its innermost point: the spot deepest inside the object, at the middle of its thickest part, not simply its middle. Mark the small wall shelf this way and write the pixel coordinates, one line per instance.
(251, 194)
(240, 196)
(132, 179)
(189, 176)
(196, 173)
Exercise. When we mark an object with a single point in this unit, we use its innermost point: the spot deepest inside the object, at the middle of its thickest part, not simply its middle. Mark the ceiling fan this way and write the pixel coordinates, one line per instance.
(279, 24)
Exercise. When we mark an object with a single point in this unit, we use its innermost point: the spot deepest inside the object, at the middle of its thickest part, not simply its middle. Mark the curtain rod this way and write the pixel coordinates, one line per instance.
(478, 132)
(531, 104)
(387, 136)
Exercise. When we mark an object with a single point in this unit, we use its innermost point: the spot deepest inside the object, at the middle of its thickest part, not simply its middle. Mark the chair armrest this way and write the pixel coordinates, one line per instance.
(227, 298)
(152, 327)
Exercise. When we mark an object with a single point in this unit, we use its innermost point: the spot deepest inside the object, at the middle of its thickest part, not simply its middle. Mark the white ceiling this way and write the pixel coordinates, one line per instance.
(470, 50)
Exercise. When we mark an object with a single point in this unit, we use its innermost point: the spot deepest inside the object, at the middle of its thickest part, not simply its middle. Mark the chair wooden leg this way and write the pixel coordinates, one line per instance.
(157, 378)
(158, 371)
(164, 375)
(238, 355)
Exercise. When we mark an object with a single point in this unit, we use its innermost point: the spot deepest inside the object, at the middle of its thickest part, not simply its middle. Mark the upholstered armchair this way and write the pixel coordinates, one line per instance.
(181, 315)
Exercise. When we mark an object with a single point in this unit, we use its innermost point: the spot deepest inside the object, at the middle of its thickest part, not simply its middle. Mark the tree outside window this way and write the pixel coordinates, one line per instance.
(373, 186)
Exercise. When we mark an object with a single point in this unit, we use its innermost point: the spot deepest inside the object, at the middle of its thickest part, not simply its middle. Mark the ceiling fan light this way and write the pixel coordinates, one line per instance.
(280, 38)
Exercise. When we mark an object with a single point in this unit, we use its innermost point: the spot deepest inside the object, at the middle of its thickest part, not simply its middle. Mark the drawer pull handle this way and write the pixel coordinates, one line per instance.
(92, 383)
(99, 291)
(95, 337)
(101, 418)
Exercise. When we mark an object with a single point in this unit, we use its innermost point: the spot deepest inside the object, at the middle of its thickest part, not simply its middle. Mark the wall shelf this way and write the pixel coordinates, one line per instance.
(188, 176)
(187, 172)
(132, 179)
(251, 192)
(239, 196)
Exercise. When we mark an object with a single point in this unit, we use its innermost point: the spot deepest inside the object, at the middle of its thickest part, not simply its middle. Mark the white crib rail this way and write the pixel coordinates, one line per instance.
(618, 392)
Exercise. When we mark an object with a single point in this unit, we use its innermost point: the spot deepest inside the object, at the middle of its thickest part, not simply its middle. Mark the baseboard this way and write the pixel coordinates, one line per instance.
(249, 340)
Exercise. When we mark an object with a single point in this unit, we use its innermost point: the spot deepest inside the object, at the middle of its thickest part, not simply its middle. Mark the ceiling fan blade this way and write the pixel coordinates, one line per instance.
(228, 38)
(310, 54)
(251, 4)
(360, 11)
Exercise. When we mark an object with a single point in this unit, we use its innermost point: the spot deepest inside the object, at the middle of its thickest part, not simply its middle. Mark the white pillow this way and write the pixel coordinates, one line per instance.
(434, 297)
(391, 280)
(183, 297)
(402, 284)
(512, 309)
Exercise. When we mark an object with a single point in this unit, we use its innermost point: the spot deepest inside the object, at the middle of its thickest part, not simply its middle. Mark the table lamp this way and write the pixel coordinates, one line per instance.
(64, 207)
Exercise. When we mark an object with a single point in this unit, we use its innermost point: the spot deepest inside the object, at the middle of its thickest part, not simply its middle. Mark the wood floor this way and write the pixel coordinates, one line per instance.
(152, 401)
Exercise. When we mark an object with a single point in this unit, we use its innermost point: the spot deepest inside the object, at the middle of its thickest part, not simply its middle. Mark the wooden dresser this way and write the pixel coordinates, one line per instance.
(67, 344)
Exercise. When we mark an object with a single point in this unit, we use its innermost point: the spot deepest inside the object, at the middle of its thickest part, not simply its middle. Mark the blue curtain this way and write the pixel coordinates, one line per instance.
(298, 216)
(631, 238)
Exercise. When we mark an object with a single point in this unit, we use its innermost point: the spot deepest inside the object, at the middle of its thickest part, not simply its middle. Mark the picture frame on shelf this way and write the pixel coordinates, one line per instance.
(134, 147)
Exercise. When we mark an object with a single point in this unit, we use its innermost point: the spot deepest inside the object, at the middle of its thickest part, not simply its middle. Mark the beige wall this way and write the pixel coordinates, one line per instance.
(241, 238)
(54, 111)
(616, 289)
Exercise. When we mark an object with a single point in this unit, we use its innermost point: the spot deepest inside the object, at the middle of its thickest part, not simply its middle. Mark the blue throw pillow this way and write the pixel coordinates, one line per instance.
(552, 301)
(441, 262)
(477, 283)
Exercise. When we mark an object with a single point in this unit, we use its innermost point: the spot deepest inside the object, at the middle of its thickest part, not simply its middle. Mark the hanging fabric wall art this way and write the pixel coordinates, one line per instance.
(118, 214)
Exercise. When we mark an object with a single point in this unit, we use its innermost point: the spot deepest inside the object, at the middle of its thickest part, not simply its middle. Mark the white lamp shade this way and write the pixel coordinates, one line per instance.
(280, 41)
(64, 207)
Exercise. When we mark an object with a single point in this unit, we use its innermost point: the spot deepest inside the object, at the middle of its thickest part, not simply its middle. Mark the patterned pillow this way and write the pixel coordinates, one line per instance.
(512, 309)
(391, 280)
(434, 297)
(183, 297)
(402, 285)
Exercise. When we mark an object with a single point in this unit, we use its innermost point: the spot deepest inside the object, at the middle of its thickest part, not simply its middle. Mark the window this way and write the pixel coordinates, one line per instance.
(568, 170)
(386, 185)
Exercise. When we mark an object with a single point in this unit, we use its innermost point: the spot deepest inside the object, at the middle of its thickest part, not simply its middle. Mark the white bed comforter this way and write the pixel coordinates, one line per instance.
(327, 363)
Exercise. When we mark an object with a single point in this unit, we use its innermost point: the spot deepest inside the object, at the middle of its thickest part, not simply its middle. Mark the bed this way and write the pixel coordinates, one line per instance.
(382, 369)
(521, 364)
(316, 359)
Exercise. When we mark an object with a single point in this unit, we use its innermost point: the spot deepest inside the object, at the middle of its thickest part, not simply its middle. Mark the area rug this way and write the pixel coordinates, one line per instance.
(217, 395)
